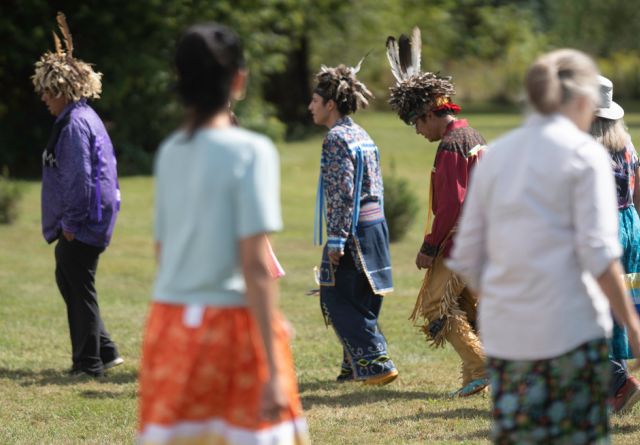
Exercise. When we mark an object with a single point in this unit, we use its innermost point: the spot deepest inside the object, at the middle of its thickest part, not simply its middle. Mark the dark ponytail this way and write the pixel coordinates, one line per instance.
(207, 58)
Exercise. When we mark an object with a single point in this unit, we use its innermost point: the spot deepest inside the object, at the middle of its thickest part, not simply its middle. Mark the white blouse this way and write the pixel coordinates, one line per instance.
(539, 225)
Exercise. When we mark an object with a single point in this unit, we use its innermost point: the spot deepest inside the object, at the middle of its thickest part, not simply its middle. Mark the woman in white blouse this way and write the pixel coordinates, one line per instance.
(538, 240)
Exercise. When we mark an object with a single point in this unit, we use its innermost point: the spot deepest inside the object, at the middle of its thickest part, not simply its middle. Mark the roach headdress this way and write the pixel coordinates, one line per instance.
(341, 85)
(60, 74)
(416, 92)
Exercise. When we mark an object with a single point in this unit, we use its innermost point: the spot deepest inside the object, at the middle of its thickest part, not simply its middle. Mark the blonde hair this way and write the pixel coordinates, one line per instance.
(559, 76)
(610, 133)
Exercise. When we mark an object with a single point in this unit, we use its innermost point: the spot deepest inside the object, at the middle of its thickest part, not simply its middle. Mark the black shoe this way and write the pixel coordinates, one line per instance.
(79, 373)
(113, 363)
(346, 375)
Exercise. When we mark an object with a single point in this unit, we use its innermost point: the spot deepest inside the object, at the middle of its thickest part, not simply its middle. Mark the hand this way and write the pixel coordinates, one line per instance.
(335, 255)
(423, 261)
(69, 236)
(274, 399)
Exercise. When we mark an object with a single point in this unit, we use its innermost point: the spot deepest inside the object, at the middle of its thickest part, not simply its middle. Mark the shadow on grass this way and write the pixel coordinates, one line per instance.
(458, 413)
(43, 377)
(359, 395)
(475, 435)
(106, 394)
(462, 413)
(625, 429)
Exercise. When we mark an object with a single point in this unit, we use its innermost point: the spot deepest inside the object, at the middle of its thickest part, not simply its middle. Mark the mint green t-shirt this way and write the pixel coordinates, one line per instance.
(212, 190)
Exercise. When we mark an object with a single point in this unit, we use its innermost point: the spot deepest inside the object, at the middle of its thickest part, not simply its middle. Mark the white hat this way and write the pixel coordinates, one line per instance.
(608, 108)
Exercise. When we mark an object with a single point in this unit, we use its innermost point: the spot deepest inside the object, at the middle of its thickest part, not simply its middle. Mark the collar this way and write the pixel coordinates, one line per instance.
(69, 107)
(455, 124)
(536, 119)
(344, 120)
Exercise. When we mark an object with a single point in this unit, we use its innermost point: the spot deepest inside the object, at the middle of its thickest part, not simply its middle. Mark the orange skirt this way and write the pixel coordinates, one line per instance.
(201, 379)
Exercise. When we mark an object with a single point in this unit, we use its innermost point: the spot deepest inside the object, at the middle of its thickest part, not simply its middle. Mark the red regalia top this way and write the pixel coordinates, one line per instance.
(457, 154)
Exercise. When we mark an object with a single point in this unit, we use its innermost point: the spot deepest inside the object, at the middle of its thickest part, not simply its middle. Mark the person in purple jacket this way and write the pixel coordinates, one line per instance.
(80, 197)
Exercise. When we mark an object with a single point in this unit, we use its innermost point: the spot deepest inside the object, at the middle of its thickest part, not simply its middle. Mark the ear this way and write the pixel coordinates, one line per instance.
(239, 85)
(331, 105)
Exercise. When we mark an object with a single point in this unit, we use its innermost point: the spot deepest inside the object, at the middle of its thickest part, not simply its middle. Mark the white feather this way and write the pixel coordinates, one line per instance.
(416, 50)
(356, 68)
(394, 59)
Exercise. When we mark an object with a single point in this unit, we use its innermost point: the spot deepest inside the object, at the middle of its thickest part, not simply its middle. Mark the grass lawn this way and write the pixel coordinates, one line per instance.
(40, 404)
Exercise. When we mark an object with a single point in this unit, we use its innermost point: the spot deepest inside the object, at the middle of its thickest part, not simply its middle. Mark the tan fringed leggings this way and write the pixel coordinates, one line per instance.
(444, 294)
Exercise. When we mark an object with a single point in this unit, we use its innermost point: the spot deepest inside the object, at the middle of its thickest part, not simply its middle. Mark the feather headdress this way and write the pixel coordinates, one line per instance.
(415, 92)
(341, 84)
(60, 74)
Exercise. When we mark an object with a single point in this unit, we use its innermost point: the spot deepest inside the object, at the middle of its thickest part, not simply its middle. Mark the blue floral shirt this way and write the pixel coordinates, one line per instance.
(624, 164)
(338, 163)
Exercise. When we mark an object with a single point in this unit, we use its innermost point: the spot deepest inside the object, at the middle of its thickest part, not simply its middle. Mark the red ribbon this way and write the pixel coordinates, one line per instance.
(449, 106)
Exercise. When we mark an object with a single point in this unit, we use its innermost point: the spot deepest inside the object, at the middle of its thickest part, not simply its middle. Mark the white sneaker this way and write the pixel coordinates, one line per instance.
(113, 363)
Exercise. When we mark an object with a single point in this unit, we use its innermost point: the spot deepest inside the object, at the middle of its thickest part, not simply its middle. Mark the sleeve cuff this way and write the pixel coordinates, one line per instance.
(336, 243)
(598, 261)
(428, 249)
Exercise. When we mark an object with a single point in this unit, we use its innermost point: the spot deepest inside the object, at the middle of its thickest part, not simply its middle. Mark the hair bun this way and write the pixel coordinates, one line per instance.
(544, 87)
(559, 76)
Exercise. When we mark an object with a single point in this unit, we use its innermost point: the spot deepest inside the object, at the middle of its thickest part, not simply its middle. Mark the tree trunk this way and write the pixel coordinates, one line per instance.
(289, 91)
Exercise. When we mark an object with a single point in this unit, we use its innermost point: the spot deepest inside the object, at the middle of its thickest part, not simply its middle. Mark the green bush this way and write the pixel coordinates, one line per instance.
(10, 194)
(400, 206)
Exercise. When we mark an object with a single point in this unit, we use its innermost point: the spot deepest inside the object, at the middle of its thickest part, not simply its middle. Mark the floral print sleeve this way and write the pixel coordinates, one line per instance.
(338, 172)
(625, 164)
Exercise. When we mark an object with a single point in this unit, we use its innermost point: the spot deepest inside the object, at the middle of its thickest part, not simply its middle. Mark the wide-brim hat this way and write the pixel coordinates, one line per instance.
(608, 109)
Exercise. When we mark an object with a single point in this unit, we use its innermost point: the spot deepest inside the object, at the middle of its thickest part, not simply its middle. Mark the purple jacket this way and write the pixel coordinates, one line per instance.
(80, 192)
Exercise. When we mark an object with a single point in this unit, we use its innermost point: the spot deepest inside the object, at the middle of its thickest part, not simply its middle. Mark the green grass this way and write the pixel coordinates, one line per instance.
(40, 404)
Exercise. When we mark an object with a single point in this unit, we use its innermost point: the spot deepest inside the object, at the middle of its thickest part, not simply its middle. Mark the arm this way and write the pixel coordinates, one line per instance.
(74, 163)
(261, 296)
(257, 206)
(596, 235)
(595, 220)
(613, 286)
(338, 173)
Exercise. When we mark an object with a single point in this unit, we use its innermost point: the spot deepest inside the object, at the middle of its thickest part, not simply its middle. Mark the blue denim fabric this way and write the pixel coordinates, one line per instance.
(371, 246)
(352, 308)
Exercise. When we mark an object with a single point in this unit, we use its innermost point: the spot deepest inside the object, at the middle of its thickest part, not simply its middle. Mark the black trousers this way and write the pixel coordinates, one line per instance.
(76, 265)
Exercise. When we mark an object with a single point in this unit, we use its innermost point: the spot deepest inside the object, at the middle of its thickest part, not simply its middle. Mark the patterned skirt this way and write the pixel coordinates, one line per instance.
(201, 379)
(560, 400)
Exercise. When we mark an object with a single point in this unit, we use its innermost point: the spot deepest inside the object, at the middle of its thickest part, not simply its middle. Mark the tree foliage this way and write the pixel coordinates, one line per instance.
(485, 44)
(131, 43)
